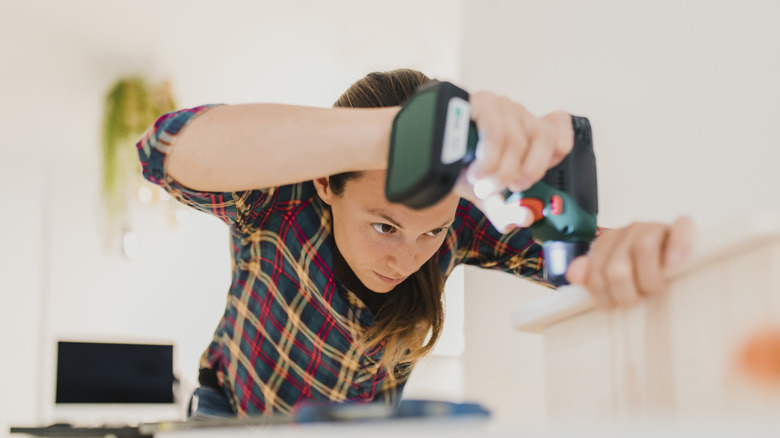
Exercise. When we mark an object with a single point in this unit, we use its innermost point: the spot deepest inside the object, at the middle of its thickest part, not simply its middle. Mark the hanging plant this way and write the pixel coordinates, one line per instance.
(131, 106)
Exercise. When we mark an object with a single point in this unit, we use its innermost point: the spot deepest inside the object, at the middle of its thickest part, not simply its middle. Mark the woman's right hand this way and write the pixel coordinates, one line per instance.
(515, 150)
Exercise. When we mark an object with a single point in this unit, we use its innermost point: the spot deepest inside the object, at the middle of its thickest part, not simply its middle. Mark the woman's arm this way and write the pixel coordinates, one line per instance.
(241, 147)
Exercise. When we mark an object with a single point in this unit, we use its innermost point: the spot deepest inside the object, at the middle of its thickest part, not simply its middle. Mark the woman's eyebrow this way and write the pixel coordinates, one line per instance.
(445, 224)
(381, 213)
(395, 223)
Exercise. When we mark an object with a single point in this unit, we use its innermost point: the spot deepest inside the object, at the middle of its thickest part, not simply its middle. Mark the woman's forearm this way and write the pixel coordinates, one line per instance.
(242, 147)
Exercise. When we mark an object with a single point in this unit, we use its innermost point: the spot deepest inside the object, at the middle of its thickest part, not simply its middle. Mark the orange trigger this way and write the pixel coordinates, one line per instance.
(536, 206)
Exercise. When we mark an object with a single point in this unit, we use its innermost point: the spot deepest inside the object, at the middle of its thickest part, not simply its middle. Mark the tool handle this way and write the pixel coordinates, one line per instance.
(565, 205)
(565, 201)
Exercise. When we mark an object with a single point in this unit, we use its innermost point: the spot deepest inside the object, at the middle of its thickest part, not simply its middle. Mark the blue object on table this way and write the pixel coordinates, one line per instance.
(330, 412)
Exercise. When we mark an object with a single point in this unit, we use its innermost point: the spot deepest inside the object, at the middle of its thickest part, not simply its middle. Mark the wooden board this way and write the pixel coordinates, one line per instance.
(676, 353)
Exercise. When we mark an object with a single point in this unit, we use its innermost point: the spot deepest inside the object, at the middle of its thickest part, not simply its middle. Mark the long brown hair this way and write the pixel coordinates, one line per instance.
(415, 309)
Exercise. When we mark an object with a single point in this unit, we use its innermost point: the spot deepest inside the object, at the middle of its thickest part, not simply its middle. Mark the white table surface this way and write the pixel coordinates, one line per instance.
(709, 426)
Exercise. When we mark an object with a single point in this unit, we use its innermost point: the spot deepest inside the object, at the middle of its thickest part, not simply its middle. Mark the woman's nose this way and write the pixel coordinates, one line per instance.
(405, 260)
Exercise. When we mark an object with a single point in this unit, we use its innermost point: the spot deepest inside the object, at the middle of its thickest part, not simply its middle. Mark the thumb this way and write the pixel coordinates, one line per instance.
(679, 242)
(505, 216)
(578, 270)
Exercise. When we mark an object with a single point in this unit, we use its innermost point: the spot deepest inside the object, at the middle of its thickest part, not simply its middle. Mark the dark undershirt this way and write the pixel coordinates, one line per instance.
(371, 299)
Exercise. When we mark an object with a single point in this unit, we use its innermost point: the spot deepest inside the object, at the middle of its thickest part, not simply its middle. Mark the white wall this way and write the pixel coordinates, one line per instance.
(58, 59)
(21, 242)
(682, 96)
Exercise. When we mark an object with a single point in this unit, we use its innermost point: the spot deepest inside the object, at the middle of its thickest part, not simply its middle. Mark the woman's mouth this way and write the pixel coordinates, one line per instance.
(389, 280)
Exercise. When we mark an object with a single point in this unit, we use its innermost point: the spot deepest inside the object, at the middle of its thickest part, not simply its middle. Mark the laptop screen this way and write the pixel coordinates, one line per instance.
(94, 372)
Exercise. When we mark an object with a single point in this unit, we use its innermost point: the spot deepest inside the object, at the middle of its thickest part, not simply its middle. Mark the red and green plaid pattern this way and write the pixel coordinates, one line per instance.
(289, 328)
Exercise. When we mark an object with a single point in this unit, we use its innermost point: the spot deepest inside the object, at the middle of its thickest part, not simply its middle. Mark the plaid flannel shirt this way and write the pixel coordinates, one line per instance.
(289, 328)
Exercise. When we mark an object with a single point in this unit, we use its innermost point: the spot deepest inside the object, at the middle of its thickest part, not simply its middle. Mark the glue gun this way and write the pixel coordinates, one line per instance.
(432, 142)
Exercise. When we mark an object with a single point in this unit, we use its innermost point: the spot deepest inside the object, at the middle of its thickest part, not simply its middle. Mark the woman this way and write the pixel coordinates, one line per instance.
(336, 292)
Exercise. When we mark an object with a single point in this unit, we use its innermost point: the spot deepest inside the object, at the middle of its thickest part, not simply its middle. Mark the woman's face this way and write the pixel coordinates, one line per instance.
(382, 242)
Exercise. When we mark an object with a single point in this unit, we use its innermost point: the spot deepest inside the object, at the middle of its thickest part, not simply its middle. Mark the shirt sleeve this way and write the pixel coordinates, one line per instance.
(480, 244)
(243, 209)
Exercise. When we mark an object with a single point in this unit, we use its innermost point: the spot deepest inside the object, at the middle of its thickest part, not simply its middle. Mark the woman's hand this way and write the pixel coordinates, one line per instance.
(628, 263)
(515, 150)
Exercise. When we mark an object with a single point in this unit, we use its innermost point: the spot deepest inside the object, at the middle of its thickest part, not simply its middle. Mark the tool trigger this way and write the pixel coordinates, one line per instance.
(535, 205)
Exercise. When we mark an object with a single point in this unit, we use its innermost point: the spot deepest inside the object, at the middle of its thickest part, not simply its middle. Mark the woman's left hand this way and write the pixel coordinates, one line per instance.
(628, 263)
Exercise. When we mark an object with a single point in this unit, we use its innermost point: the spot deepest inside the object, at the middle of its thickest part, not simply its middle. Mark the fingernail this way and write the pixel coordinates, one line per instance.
(485, 187)
(498, 213)
(674, 259)
(525, 218)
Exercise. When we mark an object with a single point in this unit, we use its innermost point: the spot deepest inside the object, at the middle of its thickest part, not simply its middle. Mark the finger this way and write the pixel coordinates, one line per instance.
(487, 114)
(597, 282)
(512, 161)
(619, 269)
(679, 243)
(563, 137)
(504, 216)
(538, 157)
(646, 250)
(577, 273)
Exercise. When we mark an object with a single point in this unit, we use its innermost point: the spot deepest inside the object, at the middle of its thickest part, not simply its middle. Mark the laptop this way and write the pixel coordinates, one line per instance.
(106, 388)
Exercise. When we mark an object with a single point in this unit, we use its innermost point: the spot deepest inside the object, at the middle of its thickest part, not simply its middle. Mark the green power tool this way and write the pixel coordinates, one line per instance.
(433, 140)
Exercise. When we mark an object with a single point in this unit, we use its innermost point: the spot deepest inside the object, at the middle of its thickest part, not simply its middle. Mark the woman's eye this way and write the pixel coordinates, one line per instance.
(436, 232)
(383, 228)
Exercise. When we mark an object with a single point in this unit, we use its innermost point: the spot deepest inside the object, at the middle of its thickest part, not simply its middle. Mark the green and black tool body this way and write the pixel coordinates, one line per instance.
(433, 140)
